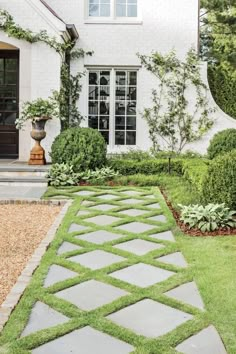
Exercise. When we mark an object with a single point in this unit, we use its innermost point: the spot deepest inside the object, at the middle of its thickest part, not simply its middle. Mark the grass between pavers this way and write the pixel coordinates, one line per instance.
(10, 341)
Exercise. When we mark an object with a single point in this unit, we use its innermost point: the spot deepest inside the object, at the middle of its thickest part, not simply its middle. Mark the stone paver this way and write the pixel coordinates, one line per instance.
(77, 228)
(85, 341)
(142, 275)
(56, 274)
(164, 236)
(96, 259)
(138, 247)
(176, 259)
(207, 341)
(22, 192)
(99, 237)
(187, 293)
(131, 201)
(84, 193)
(68, 247)
(150, 318)
(103, 220)
(103, 207)
(86, 203)
(91, 294)
(130, 192)
(108, 196)
(42, 317)
(83, 212)
(133, 212)
(154, 206)
(159, 218)
(136, 227)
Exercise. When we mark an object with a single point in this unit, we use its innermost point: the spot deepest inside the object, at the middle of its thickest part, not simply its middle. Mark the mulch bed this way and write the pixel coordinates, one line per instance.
(195, 232)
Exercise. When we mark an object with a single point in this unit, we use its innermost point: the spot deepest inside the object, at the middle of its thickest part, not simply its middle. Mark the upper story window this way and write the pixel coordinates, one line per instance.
(99, 8)
(112, 9)
(126, 8)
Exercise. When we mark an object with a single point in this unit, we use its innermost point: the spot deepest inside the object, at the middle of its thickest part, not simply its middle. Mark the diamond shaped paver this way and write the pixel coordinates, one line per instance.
(83, 212)
(57, 273)
(130, 192)
(103, 220)
(84, 193)
(99, 237)
(96, 259)
(164, 236)
(133, 212)
(139, 247)
(187, 293)
(68, 247)
(159, 218)
(150, 196)
(142, 275)
(77, 228)
(42, 317)
(107, 196)
(207, 341)
(91, 294)
(86, 203)
(131, 201)
(150, 318)
(136, 227)
(103, 207)
(154, 206)
(176, 259)
(85, 341)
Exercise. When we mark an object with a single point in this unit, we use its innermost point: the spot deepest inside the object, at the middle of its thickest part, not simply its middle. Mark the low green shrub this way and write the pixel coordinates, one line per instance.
(140, 155)
(219, 184)
(138, 180)
(82, 148)
(146, 167)
(209, 218)
(62, 175)
(194, 171)
(222, 142)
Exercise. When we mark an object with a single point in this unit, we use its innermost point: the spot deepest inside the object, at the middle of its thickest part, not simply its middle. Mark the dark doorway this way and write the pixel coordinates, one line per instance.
(9, 103)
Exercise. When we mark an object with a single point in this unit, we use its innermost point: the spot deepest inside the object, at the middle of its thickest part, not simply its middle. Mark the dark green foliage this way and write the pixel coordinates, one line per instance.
(222, 142)
(147, 167)
(83, 148)
(223, 88)
(220, 183)
(138, 180)
(194, 171)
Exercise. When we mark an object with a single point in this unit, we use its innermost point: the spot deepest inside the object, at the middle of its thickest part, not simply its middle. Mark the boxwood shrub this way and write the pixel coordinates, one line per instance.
(219, 185)
(194, 171)
(82, 148)
(222, 142)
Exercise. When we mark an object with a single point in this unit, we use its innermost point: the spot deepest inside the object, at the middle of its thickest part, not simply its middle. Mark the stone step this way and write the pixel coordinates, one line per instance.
(28, 181)
(22, 171)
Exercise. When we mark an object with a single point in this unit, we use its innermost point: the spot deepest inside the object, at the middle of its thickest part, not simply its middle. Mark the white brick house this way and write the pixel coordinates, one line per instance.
(115, 88)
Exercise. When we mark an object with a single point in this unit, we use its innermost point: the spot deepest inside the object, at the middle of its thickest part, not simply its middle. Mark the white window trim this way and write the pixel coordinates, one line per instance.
(113, 70)
(112, 19)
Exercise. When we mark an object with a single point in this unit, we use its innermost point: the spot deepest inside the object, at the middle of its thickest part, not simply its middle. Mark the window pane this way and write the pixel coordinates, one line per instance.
(104, 123)
(93, 108)
(105, 10)
(131, 109)
(11, 64)
(93, 78)
(104, 78)
(1, 64)
(93, 122)
(121, 78)
(120, 93)
(104, 108)
(120, 123)
(104, 92)
(120, 108)
(94, 10)
(132, 11)
(1, 77)
(131, 123)
(11, 77)
(11, 105)
(121, 1)
(132, 94)
(2, 105)
(120, 138)
(131, 138)
(132, 81)
(105, 136)
(10, 118)
(93, 93)
(120, 10)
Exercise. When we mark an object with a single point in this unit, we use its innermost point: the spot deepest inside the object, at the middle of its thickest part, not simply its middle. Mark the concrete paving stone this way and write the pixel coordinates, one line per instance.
(138, 247)
(103, 220)
(85, 341)
(86, 203)
(68, 247)
(131, 201)
(130, 192)
(84, 193)
(24, 192)
(142, 275)
(91, 294)
(96, 259)
(176, 259)
(103, 207)
(187, 293)
(154, 206)
(136, 227)
(150, 318)
(133, 212)
(76, 227)
(99, 237)
(159, 218)
(83, 212)
(150, 196)
(164, 236)
(42, 317)
(207, 341)
(107, 196)
(57, 273)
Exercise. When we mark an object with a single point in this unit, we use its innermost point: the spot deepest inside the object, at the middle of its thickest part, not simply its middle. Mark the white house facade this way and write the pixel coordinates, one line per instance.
(115, 87)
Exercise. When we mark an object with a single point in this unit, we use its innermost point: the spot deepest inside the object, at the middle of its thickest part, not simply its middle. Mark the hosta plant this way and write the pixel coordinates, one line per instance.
(100, 175)
(208, 218)
(62, 175)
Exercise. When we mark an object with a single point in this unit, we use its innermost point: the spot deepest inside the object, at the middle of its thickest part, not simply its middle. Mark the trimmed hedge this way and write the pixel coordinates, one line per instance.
(222, 142)
(195, 171)
(219, 185)
(147, 167)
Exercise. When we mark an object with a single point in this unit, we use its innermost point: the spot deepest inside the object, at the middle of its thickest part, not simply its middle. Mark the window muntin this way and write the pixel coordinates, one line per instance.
(99, 8)
(126, 8)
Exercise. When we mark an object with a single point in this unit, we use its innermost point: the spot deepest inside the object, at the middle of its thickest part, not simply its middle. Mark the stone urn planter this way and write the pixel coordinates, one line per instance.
(37, 154)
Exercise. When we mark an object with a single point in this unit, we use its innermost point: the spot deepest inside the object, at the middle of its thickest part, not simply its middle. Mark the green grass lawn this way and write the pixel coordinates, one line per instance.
(211, 265)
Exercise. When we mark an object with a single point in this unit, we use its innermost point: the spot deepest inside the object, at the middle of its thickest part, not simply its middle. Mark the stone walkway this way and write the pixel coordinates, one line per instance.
(130, 271)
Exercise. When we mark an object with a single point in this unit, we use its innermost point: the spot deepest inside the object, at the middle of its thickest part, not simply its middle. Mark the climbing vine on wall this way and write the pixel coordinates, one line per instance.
(69, 92)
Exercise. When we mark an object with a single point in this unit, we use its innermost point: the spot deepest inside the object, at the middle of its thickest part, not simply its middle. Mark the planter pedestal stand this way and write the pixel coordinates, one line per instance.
(37, 154)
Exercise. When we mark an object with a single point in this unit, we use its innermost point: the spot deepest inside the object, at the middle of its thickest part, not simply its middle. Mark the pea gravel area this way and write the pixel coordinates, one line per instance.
(22, 228)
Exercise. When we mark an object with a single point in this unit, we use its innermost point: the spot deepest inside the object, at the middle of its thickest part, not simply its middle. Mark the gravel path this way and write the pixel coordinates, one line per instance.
(22, 228)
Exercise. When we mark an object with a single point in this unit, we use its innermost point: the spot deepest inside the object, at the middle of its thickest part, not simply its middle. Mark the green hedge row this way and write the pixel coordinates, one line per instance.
(195, 172)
